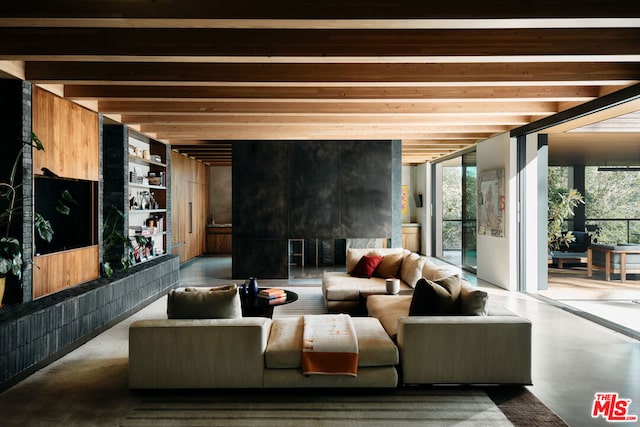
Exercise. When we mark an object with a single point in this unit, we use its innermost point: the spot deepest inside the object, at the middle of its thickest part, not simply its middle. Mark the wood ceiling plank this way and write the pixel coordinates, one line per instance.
(196, 44)
(315, 108)
(345, 130)
(328, 119)
(588, 73)
(325, 10)
(343, 93)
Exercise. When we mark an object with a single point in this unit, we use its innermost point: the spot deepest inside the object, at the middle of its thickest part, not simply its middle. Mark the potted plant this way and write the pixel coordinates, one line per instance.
(11, 259)
(115, 243)
(561, 206)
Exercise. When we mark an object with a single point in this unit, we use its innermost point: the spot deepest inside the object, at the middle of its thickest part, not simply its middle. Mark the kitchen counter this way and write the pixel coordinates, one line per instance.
(219, 238)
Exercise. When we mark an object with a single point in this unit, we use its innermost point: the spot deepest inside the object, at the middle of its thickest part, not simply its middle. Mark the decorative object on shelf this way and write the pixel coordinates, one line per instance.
(253, 286)
(146, 155)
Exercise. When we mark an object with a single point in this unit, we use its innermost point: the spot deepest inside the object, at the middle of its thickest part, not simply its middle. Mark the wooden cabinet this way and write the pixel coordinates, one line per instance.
(219, 239)
(189, 206)
(411, 237)
(70, 135)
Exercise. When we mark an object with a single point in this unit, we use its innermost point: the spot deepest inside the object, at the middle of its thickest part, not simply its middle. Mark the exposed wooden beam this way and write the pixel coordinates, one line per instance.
(327, 119)
(325, 10)
(241, 45)
(457, 74)
(319, 108)
(342, 93)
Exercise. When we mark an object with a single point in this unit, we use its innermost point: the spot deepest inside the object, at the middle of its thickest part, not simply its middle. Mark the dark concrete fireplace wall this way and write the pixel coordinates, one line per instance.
(310, 189)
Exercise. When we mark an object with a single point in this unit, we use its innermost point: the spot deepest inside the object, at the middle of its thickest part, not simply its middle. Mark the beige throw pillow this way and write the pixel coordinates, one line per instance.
(204, 303)
(473, 302)
(411, 268)
(389, 267)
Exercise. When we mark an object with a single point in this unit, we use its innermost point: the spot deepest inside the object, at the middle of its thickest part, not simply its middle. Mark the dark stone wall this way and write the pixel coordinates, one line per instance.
(36, 333)
(15, 127)
(310, 189)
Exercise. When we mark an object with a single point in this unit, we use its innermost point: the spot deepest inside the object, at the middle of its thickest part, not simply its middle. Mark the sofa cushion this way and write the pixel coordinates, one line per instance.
(285, 344)
(387, 309)
(366, 266)
(435, 297)
(473, 302)
(284, 348)
(390, 266)
(340, 286)
(433, 271)
(354, 255)
(204, 303)
(411, 268)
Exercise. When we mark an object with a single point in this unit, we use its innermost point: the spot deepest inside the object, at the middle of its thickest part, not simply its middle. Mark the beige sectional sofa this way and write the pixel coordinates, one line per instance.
(344, 293)
(246, 353)
(394, 347)
(493, 348)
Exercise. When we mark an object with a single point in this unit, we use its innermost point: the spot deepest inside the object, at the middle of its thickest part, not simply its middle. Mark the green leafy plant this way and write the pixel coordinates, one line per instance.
(561, 206)
(118, 246)
(11, 259)
(114, 242)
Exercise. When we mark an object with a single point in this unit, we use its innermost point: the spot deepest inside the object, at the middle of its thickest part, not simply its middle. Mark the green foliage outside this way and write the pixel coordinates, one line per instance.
(613, 195)
(611, 202)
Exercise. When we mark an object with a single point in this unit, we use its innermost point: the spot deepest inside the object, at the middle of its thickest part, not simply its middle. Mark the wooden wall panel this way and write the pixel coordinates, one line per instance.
(60, 270)
(70, 135)
(189, 206)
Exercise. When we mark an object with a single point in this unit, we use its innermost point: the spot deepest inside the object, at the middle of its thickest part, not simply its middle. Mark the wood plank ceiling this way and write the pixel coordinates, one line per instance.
(199, 75)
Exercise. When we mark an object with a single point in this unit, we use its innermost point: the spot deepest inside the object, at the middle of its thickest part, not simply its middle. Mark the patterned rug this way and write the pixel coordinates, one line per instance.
(343, 408)
(310, 301)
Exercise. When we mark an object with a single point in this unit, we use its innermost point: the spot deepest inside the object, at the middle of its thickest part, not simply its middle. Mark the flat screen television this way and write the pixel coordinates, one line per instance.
(75, 230)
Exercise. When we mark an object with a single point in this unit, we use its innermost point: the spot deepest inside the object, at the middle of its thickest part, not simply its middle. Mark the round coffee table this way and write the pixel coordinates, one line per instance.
(254, 306)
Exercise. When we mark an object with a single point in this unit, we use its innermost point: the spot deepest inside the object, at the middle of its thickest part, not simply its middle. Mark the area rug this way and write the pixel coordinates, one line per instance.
(309, 301)
(301, 408)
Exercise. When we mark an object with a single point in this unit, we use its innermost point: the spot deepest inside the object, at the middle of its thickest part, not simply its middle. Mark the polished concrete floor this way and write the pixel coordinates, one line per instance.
(573, 359)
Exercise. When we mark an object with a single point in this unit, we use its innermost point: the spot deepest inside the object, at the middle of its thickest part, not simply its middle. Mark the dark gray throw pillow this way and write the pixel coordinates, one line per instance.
(432, 298)
(204, 303)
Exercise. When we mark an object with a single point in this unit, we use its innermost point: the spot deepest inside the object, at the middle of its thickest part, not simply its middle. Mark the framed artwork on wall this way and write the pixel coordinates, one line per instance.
(491, 203)
(405, 200)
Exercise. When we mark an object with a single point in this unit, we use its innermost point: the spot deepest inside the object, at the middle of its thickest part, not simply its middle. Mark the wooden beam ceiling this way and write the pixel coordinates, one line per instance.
(200, 75)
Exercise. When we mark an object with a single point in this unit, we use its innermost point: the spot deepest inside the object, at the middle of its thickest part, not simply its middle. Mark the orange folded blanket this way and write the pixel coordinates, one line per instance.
(329, 346)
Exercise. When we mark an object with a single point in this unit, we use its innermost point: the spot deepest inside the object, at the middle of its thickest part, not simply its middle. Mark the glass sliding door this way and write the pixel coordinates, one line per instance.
(469, 209)
(451, 235)
(458, 211)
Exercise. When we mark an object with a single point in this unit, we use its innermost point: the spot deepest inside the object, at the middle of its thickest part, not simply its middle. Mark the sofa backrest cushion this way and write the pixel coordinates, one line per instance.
(204, 303)
(354, 255)
(473, 301)
(390, 266)
(411, 268)
(366, 266)
(433, 271)
(432, 298)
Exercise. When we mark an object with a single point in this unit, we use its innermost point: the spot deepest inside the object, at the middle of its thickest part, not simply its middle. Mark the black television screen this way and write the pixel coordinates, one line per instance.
(75, 230)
